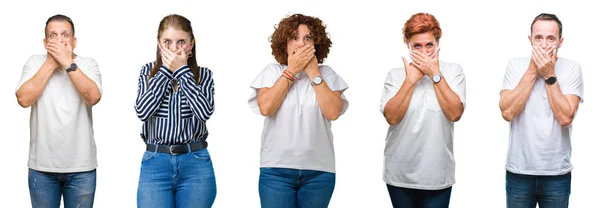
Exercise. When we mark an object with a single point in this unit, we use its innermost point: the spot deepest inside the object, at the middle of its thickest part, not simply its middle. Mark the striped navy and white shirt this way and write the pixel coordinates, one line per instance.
(174, 117)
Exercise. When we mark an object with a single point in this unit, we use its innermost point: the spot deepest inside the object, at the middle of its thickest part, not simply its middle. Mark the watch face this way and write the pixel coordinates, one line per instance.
(436, 78)
(317, 80)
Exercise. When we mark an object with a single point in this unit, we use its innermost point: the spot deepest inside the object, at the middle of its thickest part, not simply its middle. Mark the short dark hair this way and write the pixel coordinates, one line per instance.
(549, 17)
(59, 17)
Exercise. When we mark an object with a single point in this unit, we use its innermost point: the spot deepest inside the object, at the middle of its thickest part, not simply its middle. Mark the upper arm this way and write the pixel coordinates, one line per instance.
(390, 88)
(27, 73)
(92, 71)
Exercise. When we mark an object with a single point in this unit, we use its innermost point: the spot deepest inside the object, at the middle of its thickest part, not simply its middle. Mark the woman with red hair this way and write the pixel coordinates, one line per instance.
(421, 101)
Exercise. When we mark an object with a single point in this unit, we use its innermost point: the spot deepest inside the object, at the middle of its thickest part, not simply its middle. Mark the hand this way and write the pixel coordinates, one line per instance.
(412, 74)
(174, 60)
(544, 60)
(51, 62)
(312, 68)
(428, 65)
(61, 52)
(300, 58)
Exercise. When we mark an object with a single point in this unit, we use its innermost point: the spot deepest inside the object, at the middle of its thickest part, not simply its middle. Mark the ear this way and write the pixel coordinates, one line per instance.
(530, 42)
(192, 45)
(74, 43)
(45, 42)
(560, 42)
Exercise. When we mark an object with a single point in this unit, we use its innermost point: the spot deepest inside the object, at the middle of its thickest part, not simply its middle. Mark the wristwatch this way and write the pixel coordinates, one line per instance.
(437, 78)
(73, 67)
(550, 80)
(316, 81)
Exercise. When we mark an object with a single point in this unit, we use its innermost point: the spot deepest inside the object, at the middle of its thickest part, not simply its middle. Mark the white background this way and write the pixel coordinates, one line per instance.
(232, 40)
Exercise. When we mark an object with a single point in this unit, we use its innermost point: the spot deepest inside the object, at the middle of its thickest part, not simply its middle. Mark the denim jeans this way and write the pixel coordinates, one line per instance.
(77, 189)
(409, 198)
(547, 191)
(185, 180)
(289, 188)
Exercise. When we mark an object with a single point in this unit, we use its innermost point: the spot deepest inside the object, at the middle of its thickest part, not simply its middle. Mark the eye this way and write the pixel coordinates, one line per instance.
(52, 35)
(168, 42)
(538, 38)
(65, 35)
(429, 45)
(181, 42)
(551, 38)
(417, 46)
(308, 38)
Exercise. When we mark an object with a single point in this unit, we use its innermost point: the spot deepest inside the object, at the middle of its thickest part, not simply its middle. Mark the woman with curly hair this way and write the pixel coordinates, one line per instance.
(421, 102)
(299, 98)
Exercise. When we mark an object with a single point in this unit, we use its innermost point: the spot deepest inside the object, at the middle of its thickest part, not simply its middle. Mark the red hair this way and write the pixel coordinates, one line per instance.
(421, 23)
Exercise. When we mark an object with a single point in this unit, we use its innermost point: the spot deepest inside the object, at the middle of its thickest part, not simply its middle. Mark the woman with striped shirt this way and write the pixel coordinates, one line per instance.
(174, 100)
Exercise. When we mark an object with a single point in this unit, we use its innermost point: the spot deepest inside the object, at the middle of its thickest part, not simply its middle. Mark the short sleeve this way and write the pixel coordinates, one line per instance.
(511, 80)
(574, 83)
(458, 84)
(266, 78)
(335, 83)
(391, 86)
(92, 71)
(28, 72)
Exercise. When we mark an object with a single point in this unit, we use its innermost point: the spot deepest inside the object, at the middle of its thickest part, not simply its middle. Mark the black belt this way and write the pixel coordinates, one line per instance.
(177, 148)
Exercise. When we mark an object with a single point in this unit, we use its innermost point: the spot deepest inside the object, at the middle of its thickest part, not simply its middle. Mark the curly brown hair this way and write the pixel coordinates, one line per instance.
(286, 30)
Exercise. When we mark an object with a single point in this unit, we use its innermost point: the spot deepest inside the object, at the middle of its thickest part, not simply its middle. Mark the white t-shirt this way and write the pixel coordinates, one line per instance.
(419, 150)
(538, 144)
(62, 137)
(297, 136)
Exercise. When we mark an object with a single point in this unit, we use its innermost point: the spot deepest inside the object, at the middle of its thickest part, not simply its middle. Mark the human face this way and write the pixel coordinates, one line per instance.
(60, 32)
(174, 39)
(301, 38)
(423, 42)
(544, 33)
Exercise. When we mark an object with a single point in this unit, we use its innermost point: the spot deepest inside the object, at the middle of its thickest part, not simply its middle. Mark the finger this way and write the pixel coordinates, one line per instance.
(405, 63)
(536, 59)
(416, 59)
(436, 53)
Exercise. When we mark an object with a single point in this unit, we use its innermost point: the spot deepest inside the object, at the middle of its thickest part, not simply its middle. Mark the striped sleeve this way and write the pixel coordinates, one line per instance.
(201, 95)
(151, 91)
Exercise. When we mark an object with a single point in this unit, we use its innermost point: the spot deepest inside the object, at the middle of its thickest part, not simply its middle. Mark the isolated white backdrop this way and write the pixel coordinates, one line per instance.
(232, 40)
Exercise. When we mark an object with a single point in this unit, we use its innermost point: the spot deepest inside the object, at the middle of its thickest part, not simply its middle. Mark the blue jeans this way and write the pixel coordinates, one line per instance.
(547, 191)
(289, 188)
(409, 198)
(185, 180)
(78, 189)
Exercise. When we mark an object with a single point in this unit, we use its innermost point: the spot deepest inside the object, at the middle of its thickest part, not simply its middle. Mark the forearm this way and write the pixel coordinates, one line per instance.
(270, 99)
(86, 87)
(330, 103)
(150, 93)
(561, 108)
(449, 101)
(199, 96)
(513, 101)
(33, 88)
(395, 109)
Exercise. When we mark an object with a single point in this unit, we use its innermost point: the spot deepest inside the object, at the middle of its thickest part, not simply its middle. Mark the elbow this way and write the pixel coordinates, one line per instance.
(565, 122)
(507, 115)
(265, 110)
(93, 100)
(333, 117)
(23, 102)
(391, 120)
(455, 118)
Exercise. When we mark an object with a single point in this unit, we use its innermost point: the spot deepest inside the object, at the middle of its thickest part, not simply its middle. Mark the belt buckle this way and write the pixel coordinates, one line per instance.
(173, 150)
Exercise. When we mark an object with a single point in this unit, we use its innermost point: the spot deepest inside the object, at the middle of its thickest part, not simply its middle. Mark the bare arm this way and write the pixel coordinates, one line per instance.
(86, 87)
(563, 106)
(513, 101)
(270, 99)
(396, 108)
(449, 101)
(32, 89)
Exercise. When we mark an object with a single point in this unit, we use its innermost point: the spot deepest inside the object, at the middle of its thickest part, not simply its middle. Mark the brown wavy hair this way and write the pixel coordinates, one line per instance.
(286, 30)
(181, 23)
(421, 23)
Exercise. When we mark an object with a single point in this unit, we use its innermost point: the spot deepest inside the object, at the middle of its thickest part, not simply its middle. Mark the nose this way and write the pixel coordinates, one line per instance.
(173, 47)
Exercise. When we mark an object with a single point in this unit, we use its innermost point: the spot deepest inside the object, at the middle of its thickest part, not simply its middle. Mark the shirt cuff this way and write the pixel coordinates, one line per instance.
(163, 70)
(179, 73)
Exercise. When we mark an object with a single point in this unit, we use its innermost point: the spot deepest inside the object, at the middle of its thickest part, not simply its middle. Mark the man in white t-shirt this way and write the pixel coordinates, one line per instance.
(540, 96)
(61, 88)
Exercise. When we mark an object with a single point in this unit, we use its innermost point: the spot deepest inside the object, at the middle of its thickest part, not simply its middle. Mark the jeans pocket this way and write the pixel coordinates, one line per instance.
(201, 154)
(148, 155)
